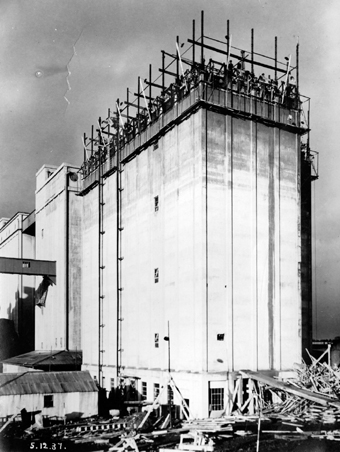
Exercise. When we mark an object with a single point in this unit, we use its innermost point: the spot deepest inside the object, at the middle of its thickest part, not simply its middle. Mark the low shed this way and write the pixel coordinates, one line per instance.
(62, 394)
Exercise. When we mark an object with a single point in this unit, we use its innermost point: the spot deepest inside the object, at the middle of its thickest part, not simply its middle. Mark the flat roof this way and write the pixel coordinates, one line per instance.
(43, 358)
(46, 383)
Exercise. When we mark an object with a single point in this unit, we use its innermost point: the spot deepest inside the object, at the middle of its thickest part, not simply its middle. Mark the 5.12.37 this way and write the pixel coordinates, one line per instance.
(46, 446)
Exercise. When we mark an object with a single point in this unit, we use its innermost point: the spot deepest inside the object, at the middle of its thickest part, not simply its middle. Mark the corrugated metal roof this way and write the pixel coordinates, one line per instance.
(46, 383)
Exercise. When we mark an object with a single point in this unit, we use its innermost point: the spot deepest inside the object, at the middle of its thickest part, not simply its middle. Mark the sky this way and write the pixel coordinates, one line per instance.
(63, 63)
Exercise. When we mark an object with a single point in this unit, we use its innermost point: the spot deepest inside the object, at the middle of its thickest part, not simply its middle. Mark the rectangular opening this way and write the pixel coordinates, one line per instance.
(144, 390)
(220, 337)
(216, 399)
(26, 265)
(156, 203)
(155, 146)
(155, 390)
(48, 401)
(156, 275)
(156, 340)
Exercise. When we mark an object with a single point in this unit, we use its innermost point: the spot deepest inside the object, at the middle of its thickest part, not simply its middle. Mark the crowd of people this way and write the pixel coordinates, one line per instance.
(231, 77)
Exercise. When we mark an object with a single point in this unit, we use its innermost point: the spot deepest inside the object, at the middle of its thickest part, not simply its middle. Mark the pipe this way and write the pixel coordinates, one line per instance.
(275, 74)
(177, 59)
(228, 42)
(99, 270)
(206, 245)
(118, 332)
(169, 387)
(163, 73)
(67, 233)
(252, 50)
(150, 80)
(138, 110)
(193, 44)
(84, 137)
(21, 277)
(127, 103)
(297, 68)
(202, 39)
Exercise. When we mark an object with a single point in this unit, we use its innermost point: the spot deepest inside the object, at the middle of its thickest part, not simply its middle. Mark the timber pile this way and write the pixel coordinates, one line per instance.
(320, 378)
(313, 396)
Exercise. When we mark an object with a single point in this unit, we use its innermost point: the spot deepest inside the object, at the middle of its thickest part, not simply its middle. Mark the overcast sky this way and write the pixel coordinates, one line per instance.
(107, 44)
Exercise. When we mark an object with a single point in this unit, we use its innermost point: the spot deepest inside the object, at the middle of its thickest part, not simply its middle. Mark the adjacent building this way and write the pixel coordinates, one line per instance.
(70, 395)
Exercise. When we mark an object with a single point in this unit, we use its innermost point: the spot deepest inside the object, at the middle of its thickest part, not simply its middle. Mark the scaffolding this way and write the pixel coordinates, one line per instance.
(154, 98)
(184, 85)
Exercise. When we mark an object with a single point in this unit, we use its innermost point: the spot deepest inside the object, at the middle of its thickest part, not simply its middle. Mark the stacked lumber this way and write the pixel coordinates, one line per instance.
(209, 425)
(313, 396)
(320, 378)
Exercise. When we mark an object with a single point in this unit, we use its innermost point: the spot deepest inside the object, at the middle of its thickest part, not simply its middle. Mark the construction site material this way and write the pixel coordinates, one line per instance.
(209, 425)
(297, 391)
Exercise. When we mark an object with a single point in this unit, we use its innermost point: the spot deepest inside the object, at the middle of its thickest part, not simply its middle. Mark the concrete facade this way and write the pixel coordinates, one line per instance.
(58, 238)
(218, 258)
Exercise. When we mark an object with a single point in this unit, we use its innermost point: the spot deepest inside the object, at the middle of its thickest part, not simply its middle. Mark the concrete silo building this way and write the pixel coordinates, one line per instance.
(190, 220)
(193, 226)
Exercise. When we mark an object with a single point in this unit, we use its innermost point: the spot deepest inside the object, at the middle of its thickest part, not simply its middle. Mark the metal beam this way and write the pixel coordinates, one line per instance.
(164, 71)
(14, 266)
(233, 55)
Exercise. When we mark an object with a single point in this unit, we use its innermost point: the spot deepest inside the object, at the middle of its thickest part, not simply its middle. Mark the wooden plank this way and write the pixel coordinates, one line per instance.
(304, 393)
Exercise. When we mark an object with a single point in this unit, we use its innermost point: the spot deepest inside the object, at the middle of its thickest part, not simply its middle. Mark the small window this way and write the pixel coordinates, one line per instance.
(155, 390)
(156, 275)
(155, 146)
(220, 337)
(26, 265)
(112, 383)
(156, 340)
(144, 390)
(156, 203)
(216, 399)
(48, 401)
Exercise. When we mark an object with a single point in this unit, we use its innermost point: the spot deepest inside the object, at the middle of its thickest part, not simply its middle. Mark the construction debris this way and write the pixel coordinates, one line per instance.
(305, 406)
(311, 397)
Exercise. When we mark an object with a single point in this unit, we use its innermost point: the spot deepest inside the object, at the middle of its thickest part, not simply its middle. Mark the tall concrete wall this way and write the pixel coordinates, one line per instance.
(225, 244)
(58, 237)
(253, 245)
(17, 291)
